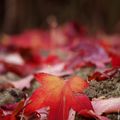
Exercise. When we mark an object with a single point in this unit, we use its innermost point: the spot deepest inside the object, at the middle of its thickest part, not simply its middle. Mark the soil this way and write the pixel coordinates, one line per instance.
(107, 89)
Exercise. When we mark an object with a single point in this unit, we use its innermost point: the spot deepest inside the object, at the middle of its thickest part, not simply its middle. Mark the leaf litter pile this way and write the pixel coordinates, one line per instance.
(59, 74)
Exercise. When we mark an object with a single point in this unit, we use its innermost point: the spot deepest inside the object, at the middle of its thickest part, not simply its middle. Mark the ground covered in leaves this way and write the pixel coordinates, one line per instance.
(59, 74)
(106, 89)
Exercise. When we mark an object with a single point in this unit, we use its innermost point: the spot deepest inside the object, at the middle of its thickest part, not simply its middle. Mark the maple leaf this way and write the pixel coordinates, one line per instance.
(59, 95)
(18, 69)
(1, 113)
(109, 73)
(52, 59)
(86, 53)
(57, 70)
(109, 105)
(15, 113)
(72, 29)
(13, 58)
(23, 83)
(112, 46)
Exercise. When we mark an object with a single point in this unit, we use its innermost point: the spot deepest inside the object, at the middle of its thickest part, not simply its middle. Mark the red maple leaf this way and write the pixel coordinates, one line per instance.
(85, 53)
(60, 96)
(15, 113)
(112, 46)
(109, 73)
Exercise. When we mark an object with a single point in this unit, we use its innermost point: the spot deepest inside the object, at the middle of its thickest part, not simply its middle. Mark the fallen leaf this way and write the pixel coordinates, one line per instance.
(71, 115)
(96, 116)
(110, 105)
(14, 114)
(109, 73)
(86, 53)
(59, 95)
(52, 59)
(112, 46)
(13, 58)
(20, 70)
(57, 69)
(23, 83)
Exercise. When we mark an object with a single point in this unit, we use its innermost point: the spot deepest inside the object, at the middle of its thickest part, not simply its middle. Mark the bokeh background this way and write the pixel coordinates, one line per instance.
(97, 15)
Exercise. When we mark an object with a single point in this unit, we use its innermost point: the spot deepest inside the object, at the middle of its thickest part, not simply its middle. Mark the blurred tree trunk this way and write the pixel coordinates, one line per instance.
(10, 15)
(2, 13)
(17, 15)
(23, 14)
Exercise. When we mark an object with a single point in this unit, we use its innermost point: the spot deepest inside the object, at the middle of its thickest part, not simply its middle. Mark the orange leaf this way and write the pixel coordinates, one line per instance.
(59, 95)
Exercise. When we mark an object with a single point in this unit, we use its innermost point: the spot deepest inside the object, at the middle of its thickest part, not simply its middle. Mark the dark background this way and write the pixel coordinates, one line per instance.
(17, 15)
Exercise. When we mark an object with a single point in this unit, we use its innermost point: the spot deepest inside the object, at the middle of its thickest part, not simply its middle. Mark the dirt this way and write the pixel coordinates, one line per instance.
(10, 95)
(107, 89)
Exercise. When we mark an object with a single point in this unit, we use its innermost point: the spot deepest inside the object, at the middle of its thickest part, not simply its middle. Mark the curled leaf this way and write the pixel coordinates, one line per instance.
(109, 73)
(106, 105)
